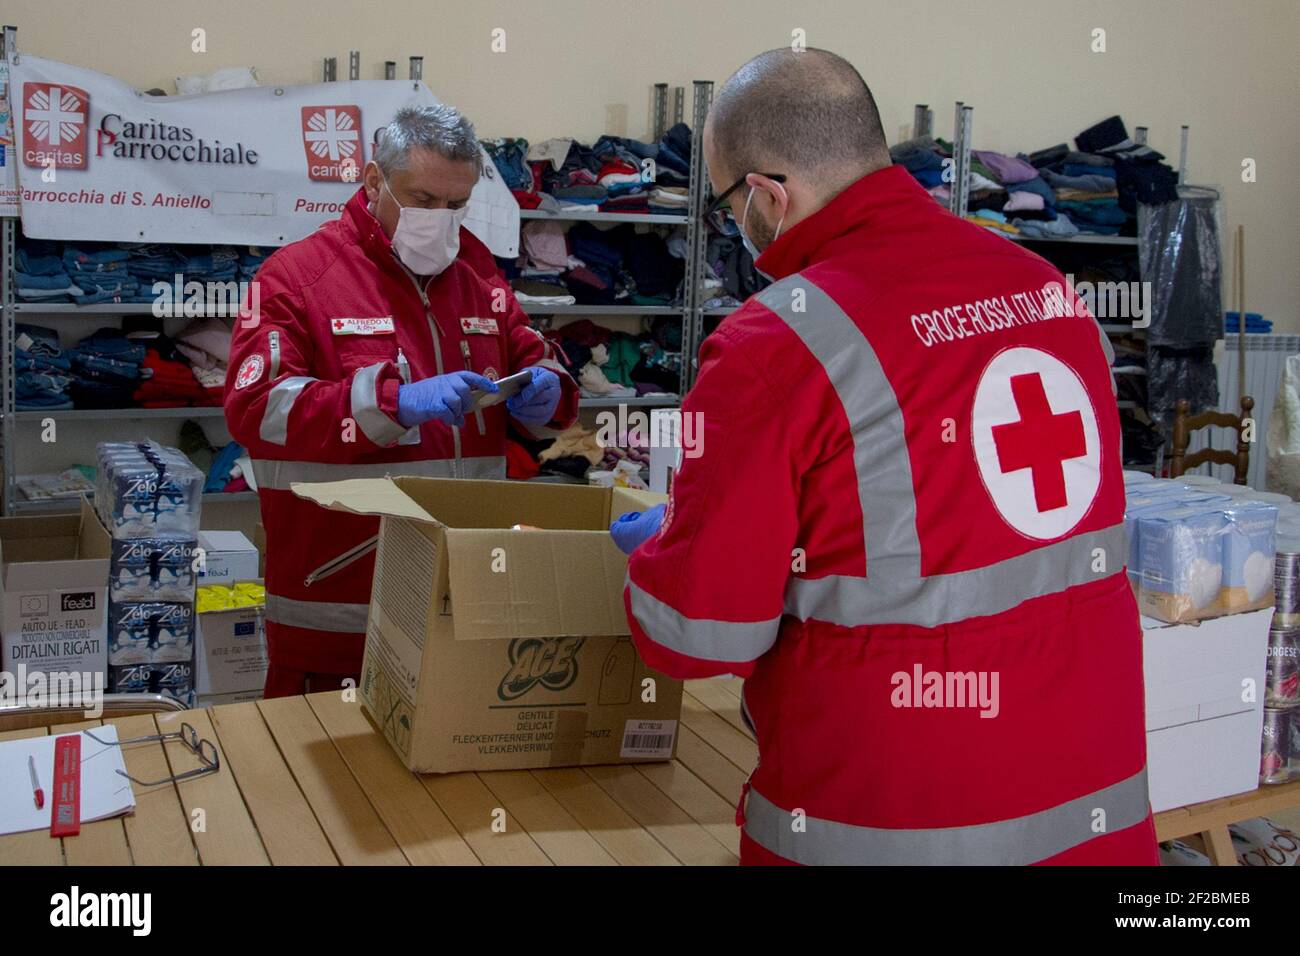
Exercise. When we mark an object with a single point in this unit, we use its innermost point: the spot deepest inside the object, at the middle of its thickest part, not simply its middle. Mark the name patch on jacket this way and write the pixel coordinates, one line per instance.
(379, 325)
(472, 325)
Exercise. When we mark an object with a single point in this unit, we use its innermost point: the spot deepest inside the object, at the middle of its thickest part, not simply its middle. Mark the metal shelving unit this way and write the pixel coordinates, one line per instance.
(114, 308)
(576, 215)
(696, 237)
(1085, 240)
(8, 237)
(536, 309)
(119, 414)
(646, 401)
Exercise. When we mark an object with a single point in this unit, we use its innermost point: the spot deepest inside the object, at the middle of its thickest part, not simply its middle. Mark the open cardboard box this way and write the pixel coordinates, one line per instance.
(54, 599)
(493, 649)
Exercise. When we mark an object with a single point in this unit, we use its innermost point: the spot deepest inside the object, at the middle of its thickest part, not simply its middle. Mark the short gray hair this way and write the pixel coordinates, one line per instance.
(803, 111)
(439, 128)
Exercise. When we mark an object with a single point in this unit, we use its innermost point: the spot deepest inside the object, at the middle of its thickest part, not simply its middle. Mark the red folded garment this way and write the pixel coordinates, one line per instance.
(520, 464)
(526, 200)
(171, 385)
(584, 332)
(616, 167)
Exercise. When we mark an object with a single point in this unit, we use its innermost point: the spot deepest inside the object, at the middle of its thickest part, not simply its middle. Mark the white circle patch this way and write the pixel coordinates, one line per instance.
(1035, 437)
(250, 371)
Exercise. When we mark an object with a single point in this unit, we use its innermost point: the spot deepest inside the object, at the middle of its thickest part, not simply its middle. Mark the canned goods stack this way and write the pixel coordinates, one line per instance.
(1280, 742)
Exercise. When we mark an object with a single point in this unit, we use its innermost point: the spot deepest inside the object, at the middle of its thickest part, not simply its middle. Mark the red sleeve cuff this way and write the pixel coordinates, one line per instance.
(390, 380)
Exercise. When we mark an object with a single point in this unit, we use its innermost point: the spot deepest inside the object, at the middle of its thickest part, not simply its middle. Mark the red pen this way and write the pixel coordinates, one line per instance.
(37, 792)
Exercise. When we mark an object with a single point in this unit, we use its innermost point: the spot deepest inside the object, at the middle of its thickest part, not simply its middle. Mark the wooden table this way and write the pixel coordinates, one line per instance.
(1210, 819)
(308, 781)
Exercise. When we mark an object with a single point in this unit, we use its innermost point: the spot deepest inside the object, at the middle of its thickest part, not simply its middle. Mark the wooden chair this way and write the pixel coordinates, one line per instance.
(1185, 424)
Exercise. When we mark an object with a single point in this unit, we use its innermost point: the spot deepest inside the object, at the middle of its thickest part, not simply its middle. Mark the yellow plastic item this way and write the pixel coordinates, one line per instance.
(247, 594)
(213, 597)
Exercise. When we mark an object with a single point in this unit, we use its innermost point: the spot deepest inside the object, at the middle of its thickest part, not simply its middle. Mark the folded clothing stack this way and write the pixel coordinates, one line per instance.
(608, 364)
(597, 264)
(168, 381)
(106, 370)
(87, 273)
(611, 175)
(42, 369)
(1056, 192)
(206, 344)
(114, 369)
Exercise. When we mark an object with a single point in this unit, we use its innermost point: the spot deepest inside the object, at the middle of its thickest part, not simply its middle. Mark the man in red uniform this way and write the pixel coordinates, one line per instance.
(372, 340)
(905, 530)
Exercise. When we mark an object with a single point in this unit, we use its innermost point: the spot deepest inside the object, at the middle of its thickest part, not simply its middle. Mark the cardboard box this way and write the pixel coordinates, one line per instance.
(493, 649)
(1203, 728)
(228, 556)
(230, 651)
(54, 602)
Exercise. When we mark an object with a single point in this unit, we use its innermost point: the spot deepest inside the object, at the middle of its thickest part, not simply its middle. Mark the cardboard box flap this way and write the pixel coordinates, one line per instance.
(509, 584)
(633, 499)
(362, 496)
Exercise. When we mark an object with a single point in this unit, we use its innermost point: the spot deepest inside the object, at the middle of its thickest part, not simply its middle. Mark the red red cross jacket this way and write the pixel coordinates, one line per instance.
(312, 395)
(904, 528)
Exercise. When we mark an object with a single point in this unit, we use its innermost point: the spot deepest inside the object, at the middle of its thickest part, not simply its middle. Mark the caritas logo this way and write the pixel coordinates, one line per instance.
(54, 126)
(331, 136)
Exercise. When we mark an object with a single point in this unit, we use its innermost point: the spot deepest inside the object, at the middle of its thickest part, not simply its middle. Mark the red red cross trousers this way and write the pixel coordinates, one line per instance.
(1040, 441)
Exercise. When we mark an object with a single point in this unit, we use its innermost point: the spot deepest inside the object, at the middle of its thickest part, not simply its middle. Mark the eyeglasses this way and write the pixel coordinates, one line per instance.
(722, 197)
(205, 750)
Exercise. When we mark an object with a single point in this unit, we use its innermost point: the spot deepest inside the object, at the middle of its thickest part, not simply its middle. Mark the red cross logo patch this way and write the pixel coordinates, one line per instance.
(1036, 442)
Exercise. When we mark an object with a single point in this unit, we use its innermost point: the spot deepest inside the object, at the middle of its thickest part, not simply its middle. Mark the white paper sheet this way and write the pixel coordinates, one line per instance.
(104, 792)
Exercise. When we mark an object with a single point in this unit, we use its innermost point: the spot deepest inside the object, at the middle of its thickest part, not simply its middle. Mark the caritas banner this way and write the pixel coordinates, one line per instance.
(264, 166)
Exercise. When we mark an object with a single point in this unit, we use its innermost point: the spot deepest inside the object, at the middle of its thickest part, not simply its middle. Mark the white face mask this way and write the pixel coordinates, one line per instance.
(427, 240)
(754, 251)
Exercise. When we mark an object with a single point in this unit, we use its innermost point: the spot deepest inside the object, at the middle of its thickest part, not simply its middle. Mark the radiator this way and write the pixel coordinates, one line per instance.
(1265, 359)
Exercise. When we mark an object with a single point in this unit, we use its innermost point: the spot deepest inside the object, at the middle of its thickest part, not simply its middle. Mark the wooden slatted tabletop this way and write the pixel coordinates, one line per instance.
(308, 781)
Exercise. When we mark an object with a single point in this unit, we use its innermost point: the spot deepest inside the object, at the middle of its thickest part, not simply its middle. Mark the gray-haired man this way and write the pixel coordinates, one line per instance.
(371, 334)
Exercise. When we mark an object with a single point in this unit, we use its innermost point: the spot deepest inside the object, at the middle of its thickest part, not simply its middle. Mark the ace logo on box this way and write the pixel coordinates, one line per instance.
(551, 662)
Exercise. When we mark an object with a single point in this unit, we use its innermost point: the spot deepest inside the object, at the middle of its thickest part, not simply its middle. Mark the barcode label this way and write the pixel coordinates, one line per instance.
(649, 738)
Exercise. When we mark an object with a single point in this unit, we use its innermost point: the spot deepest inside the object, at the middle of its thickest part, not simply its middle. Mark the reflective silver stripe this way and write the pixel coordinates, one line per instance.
(317, 615)
(273, 343)
(553, 365)
(894, 590)
(279, 403)
(728, 641)
(375, 425)
(944, 598)
(279, 475)
(1109, 351)
(1015, 842)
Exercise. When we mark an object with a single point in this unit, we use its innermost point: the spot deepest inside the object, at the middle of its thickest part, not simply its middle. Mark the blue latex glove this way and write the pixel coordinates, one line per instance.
(444, 398)
(634, 527)
(536, 403)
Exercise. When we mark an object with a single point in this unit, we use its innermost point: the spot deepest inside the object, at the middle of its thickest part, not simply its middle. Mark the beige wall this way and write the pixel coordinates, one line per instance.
(1227, 68)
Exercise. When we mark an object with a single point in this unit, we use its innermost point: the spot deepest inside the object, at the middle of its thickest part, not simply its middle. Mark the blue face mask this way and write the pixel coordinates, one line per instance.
(744, 236)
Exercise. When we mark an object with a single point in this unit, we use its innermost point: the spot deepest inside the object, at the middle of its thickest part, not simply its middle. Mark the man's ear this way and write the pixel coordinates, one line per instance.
(771, 192)
(373, 180)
